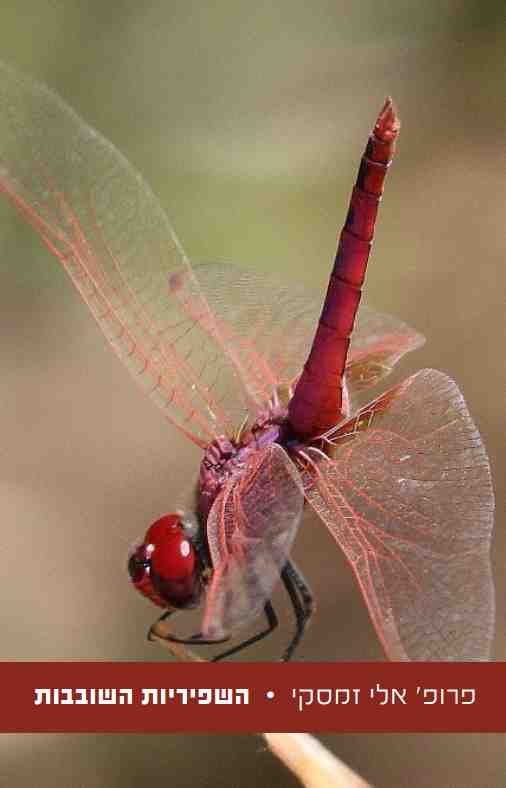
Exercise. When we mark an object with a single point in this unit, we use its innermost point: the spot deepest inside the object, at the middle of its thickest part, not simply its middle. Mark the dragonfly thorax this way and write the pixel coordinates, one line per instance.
(225, 459)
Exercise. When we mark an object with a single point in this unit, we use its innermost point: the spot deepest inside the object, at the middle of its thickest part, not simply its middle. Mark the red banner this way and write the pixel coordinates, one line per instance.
(246, 697)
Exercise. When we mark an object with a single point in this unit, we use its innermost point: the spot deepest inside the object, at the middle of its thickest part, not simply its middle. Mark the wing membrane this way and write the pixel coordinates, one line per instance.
(251, 528)
(378, 343)
(271, 326)
(409, 499)
(103, 223)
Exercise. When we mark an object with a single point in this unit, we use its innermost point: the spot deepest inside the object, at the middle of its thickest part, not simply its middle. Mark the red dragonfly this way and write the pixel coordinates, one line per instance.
(402, 483)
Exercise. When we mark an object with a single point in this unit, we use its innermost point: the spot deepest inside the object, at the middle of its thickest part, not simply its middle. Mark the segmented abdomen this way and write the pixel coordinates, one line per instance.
(318, 398)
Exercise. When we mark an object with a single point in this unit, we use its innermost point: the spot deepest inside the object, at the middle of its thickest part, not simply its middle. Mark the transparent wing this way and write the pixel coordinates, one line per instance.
(271, 327)
(378, 342)
(101, 220)
(250, 529)
(409, 499)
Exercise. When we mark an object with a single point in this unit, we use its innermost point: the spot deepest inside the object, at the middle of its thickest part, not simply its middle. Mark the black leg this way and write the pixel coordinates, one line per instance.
(193, 640)
(302, 603)
(198, 640)
(272, 622)
(303, 608)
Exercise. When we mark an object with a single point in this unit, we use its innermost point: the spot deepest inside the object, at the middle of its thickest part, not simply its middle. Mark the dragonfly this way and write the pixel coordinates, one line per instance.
(270, 385)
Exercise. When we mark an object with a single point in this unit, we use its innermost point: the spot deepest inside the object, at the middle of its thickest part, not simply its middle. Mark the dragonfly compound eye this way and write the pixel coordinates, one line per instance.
(165, 567)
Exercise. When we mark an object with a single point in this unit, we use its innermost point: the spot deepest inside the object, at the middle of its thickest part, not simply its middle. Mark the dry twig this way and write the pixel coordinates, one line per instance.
(311, 762)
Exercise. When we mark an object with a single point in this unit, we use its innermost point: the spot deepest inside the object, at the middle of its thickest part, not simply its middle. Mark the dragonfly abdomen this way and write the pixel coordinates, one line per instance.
(318, 398)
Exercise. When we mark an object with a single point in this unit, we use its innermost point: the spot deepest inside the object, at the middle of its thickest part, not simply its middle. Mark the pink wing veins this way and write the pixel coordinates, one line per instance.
(102, 222)
(408, 497)
(251, 528)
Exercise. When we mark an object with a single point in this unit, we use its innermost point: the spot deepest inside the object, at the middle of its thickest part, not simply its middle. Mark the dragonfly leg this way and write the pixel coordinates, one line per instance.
(302, 601)
(198, 640)
(272, 622)
(193, 640)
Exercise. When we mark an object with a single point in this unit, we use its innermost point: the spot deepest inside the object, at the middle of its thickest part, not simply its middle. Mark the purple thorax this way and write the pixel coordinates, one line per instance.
(224, 458)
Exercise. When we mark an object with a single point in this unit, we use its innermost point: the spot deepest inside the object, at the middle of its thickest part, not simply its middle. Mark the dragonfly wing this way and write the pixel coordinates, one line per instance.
(271, 327)
(250, 529)
(269, 324)
(378, 342)
(101, 220)
(409, 499)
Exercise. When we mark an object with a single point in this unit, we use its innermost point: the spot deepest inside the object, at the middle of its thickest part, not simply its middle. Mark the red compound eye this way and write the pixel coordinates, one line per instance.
(165, 567)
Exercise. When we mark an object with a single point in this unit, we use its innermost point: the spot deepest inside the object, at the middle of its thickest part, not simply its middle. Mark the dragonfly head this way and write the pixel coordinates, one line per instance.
(166, 567)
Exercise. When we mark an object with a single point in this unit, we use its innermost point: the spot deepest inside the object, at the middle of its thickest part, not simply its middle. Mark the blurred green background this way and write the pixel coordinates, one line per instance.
(249, 122)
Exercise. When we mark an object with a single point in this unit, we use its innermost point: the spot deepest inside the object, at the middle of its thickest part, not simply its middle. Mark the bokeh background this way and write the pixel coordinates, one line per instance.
(248, 120)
